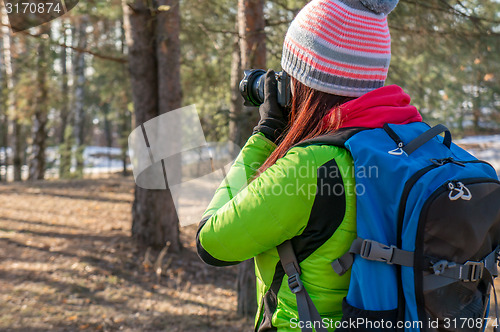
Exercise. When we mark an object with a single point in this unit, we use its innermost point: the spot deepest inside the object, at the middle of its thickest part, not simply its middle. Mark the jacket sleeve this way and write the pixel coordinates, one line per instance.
(271, 209)
(255, 152)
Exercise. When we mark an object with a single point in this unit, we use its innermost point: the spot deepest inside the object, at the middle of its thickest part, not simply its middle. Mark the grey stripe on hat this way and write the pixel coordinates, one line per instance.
(356, 4)
(329, 79)
(326, 82)
(369, 21)
(340, 89)
(310, 41)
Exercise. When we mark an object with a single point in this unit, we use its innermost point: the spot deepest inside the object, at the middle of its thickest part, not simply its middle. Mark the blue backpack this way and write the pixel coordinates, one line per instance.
(428, 226)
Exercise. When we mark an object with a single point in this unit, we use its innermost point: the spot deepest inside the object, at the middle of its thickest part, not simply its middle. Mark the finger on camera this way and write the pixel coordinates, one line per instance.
(271, 86)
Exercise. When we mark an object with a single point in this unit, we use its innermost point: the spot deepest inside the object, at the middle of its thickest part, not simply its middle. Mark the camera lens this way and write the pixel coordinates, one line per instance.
(252, 87)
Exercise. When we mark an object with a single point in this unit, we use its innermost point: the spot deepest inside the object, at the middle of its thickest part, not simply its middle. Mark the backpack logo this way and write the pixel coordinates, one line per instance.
(459, 190)
(399, 150)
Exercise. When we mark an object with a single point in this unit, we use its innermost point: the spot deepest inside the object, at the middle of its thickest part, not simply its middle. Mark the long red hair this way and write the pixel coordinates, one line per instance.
(306, 120)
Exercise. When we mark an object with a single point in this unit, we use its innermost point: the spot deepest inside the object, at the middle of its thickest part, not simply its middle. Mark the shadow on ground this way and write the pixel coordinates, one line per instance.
(68, 264)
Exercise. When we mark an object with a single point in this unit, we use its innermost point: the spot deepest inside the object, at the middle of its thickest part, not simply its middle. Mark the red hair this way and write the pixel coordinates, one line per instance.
(307, 118)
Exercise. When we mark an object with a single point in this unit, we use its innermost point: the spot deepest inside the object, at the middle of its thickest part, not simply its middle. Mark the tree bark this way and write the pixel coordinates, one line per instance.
(251, 23)
(154, 92)
(168, 53)
(253, 36)
(39, 128)
(17, 148)
(4, 119)
(108, 125)
(236, 101)
(124, 114)
(15, 126)
(65, 132)
(246, 288)
(64, 85)
(79, 69)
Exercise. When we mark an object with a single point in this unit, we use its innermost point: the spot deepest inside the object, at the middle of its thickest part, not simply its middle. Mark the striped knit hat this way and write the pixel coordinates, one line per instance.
(341, 47)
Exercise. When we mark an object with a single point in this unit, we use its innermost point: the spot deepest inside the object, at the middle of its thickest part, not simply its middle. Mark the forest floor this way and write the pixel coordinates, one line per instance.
(67, 263)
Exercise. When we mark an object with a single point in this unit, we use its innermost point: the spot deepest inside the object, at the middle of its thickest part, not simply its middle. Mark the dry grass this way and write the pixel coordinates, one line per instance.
(67, 264)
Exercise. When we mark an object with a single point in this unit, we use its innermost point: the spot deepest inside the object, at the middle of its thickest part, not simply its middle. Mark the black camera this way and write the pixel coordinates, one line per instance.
(252, 87)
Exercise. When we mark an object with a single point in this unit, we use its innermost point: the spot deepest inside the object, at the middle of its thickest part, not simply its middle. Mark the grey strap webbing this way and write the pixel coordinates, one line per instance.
(306, 309)
(373, 251)
(446, 272)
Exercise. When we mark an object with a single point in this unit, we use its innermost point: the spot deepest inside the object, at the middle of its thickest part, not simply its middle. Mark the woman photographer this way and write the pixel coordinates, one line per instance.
(337, 53)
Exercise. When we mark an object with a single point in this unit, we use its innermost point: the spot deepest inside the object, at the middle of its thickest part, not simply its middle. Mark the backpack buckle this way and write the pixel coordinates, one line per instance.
(376, 251)
(295, 283)
(475, 271)
(441, 266)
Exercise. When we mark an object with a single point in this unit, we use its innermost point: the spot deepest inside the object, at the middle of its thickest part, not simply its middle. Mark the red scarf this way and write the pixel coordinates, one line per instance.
(388, 104)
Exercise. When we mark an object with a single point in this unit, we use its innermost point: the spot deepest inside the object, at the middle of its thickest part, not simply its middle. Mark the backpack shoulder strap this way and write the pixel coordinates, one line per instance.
(306, 309)
(336, 138)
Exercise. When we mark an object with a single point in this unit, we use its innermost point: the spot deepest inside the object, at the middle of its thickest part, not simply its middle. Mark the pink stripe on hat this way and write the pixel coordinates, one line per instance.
(335, 71)
(345, 41)
(345, 66)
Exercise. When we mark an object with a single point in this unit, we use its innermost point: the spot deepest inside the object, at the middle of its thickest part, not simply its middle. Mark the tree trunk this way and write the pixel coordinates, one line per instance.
(124, 129)
(253, 36)
(124, 114)
(39, 130)
(251, 23)
(108, 126)
(236, 102)
(4, 119)
(153, 212)
(17, 148)
(168, 53)
(4, 139)
(64, 85)
(79, 121)
(65, 132)
(246, 288)
(15, 126)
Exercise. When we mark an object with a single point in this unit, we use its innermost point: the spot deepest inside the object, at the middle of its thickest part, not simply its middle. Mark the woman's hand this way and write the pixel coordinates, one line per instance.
(273, 117)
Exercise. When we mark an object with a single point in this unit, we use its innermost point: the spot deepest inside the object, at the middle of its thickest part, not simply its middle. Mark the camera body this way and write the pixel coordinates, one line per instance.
(252, 87)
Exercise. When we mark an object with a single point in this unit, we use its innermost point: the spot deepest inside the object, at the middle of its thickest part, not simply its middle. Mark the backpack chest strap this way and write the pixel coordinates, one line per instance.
(373, 251)
(446, 272)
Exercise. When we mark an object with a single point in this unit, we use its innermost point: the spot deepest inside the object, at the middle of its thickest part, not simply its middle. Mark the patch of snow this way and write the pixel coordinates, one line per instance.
(486, 148)
(479, 139)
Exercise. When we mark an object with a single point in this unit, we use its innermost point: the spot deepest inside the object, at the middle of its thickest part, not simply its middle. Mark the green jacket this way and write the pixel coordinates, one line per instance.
(307, 196)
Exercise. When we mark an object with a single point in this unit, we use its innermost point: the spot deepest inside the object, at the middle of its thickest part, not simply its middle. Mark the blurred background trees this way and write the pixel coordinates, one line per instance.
(72, 90)
(66, 84)
(446, 56)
